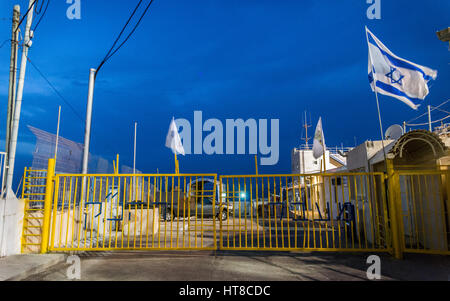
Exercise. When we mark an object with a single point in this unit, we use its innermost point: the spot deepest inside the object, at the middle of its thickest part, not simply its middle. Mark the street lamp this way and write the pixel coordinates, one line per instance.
(444, 35)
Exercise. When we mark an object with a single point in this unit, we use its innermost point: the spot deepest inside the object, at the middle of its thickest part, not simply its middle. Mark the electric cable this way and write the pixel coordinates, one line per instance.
(54, 89)
(111, 52)
(42, 16)
(23, 18)
(118, 37)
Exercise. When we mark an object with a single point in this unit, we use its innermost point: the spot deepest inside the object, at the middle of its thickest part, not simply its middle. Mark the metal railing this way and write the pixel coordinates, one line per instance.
(336, 150)
(322, 212)
(423, 198)
(33, 193)
(398, 211)
(126, 211)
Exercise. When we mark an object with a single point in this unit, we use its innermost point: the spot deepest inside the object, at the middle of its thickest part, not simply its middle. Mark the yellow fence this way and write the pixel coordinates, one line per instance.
(401, 211)
(423, 198)
(152, 211)
(33, 192)
(325, 212)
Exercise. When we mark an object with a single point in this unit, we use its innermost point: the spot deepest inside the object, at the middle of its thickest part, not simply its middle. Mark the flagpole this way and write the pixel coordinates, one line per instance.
(324, 156)
(134, 149)
(324, 165)
(176, 163)
(134, 159)
(376, 97)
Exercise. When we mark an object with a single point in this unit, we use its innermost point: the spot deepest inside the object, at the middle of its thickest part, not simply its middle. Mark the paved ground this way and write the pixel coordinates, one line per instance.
(18, 267)
(242, 266)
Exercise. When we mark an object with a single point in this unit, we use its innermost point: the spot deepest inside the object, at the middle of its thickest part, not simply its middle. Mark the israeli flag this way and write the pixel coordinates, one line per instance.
(397, 77)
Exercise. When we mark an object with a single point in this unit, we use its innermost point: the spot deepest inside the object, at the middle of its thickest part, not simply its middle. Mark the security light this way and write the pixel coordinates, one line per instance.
(444, 35)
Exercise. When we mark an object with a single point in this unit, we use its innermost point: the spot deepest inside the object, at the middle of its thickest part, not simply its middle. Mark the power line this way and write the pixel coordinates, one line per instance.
(417, 117)
(111, 52)
(436, 121)
(442, 111)
(426, 113)
(431, 110)
(4, 42)
(54, 89)
(118, 37)
(135, 27)
(38, 11)
(43, 14)
(23, 18)
(63, 98)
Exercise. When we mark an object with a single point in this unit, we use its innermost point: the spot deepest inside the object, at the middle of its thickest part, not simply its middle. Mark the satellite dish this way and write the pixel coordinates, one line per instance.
(394, 132)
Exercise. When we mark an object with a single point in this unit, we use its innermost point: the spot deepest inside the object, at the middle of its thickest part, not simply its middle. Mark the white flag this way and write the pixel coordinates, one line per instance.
(319, 141)
(173, 140)
(397, 77)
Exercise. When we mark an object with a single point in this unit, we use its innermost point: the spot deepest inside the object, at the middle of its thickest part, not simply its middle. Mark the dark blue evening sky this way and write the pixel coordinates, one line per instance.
(230, 59)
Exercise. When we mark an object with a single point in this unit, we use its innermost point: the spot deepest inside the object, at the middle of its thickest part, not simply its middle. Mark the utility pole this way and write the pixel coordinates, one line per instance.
(87, 130)
(23, 65)
(429, 119)
(12, 78)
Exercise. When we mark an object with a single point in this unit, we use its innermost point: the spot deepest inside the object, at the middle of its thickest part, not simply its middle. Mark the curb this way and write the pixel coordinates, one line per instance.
(21, 267)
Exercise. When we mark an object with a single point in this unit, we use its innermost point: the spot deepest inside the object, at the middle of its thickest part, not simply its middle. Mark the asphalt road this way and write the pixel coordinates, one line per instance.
(244, 266)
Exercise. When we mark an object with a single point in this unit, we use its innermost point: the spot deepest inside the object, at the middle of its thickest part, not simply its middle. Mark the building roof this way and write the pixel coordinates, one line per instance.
(414, 145)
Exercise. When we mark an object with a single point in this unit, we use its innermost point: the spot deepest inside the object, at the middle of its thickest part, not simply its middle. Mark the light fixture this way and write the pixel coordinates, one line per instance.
(444, 35)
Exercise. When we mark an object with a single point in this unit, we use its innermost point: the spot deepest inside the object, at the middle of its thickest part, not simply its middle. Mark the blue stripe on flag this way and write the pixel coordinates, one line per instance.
(399, 63)
(395, 91)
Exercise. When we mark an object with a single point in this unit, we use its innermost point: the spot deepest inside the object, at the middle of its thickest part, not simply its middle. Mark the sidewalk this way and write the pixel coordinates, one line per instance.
(18, 267)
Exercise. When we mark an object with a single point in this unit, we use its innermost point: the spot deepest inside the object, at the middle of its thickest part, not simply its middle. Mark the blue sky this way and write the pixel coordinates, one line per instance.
(230, 59)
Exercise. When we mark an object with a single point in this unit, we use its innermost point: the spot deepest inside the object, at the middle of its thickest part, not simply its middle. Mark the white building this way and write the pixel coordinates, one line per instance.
(303, 161)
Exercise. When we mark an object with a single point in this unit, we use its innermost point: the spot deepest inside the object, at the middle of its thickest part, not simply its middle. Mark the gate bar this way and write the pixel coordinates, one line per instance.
(47, 205)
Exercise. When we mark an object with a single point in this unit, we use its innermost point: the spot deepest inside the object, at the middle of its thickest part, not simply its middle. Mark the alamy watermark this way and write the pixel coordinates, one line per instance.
(374, 10)
(74, 10)
(74, 270)
(374, 270)
(236, 133)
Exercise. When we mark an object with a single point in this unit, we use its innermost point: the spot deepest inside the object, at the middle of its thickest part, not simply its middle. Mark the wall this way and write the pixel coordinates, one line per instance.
(11, 224)
(303, 162)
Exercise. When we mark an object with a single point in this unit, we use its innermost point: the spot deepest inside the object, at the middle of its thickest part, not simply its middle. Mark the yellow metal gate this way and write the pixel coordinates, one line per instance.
(424, 211)
(145, 211)
(322, 212)
(401, 211)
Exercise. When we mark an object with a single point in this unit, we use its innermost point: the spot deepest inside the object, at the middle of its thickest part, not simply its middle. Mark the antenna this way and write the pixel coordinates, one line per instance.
(306, 126)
